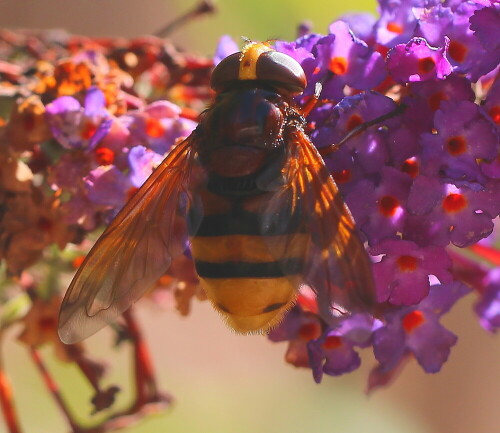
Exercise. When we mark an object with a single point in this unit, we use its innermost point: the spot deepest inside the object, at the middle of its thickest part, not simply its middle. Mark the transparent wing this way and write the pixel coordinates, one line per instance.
(133, 252)
(309, 207)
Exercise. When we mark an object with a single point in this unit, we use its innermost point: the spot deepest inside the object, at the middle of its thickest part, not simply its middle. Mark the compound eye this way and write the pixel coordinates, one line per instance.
(283, 70)
(226, 72)
(259, 62)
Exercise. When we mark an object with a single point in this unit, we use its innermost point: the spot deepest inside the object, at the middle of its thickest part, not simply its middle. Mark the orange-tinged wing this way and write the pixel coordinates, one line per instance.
(335, 263)
(133, 252)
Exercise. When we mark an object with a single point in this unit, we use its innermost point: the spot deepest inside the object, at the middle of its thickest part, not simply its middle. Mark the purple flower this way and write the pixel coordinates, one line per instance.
(434, 92)
(488, 307)
(361, 24)
(300, 49)
(142, 162)
(461, 216)
(68, 173)
(418, 331)
(465, 52)
(298, 328)
(363, 154)
(334, 354)
(464, 137)
(492, 102)
(349, 59)
(77, 127)
(396, 24)
(80, 211)
(402, 275)
(107, 186)
(485, 24)
(225, 47)
(157, 126)
(380, 209)
(491, 109)
(417, 61)
(338, 59)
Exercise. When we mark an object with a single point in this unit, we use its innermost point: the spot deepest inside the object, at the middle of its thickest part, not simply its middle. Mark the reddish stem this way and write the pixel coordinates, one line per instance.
(53, 388)
(205, 7)
(144, 373)
(487, 253)
(91, 370)
(7, 403)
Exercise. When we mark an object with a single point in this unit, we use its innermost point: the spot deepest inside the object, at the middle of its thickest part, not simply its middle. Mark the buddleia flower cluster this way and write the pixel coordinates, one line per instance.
(83, 124)
(85, 121)
(422, 186)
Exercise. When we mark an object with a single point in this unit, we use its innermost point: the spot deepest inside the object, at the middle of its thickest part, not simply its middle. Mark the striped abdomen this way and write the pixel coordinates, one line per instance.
(251, 284)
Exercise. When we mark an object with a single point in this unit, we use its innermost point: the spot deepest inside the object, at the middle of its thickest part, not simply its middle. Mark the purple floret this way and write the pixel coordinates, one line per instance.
(418, 331)
(418, 61)
(76, 126)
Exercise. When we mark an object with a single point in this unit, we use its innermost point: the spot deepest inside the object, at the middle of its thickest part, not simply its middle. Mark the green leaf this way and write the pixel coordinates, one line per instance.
(14, 309)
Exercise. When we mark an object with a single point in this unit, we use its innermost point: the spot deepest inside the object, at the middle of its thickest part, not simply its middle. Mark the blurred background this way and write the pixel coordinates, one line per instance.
(227, 383)
(257, 19)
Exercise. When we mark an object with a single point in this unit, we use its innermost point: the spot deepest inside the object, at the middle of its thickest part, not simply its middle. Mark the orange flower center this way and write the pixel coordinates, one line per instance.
(426, 65)
(309, 331)
(457, 51)
(456, 145)
(332, 342)
(154, 128)
(338, 65)
(413, 320)
(410, 167)
(388, 205)
(88, 130)
(407, 263)
(453, 203)
(354, 121)
(435, 100)
(104, 156)
(394, 28)
(342, 176)
(495, 114)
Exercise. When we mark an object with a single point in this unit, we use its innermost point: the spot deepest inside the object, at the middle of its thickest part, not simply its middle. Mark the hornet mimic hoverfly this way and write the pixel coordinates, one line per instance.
(251, 195)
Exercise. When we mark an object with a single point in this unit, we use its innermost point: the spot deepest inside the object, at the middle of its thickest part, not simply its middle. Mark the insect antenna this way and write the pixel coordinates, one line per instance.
(311, 103)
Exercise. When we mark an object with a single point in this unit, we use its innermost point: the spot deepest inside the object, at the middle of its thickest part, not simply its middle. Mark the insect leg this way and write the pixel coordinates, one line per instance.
(325, 151)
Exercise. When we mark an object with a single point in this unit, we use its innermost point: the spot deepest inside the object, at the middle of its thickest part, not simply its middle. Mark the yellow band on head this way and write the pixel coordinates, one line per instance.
(248, 61)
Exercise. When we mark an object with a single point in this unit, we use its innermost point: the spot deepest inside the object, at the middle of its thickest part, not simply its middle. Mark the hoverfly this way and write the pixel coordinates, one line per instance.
(251, 195)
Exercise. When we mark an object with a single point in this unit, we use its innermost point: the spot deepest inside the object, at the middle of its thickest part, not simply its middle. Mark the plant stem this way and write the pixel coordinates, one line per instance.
(202, 8)
(53, 388)
(7, 402)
